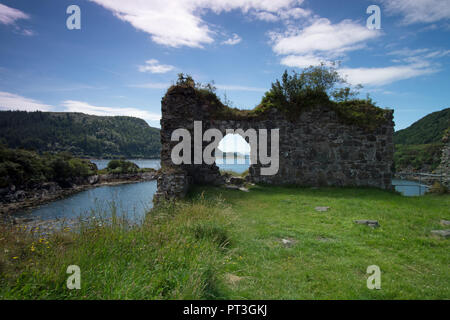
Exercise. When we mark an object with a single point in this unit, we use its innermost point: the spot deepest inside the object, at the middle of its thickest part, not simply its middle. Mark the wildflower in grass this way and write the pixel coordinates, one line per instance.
(15, 258)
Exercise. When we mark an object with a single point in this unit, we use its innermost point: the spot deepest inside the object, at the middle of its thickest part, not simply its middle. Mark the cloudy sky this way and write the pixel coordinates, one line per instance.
(128, 52)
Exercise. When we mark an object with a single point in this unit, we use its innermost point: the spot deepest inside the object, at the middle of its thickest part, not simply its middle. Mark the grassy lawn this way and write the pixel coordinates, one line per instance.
(227, 244)
(331, 253)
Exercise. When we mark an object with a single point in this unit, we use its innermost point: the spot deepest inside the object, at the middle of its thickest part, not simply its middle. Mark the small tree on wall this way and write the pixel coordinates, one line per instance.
(314, 85)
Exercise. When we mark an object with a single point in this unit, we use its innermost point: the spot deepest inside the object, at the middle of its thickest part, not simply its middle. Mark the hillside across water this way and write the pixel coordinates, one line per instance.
(81, 134)
(419, 147)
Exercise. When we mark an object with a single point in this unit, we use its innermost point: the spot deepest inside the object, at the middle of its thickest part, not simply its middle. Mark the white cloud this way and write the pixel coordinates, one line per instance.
(153, 66)
(294, 13)
(233, 41)
(266, 16)
(302, 61)
(323, 36)
(178, 23)
(11, 101)
(79, 106)
(283, 15)
(9, 15)
(411, 63)
(419, 11)
(28, 32)
(320, 41)
(386, 75)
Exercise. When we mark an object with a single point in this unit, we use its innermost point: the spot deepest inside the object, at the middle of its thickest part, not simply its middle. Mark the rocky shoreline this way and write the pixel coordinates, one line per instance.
(428, 179)
(14, 199)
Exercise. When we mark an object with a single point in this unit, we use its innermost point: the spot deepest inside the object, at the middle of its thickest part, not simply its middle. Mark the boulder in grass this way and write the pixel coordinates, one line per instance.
(238, 181)
(288, 242)
(445, 222)
(322, 209)
(370, 223)
(442, 233)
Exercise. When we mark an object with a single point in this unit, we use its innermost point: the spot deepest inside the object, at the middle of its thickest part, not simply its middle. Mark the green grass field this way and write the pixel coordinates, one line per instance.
(227, 244)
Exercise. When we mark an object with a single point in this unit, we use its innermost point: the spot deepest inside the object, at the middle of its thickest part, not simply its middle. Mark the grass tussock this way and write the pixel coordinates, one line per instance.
(175, 254)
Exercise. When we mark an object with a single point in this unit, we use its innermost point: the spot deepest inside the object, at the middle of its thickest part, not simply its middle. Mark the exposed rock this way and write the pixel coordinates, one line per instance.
(442, 233)
(444, 167)
(237, 181)
(288, 242)
(445, 222)
(244, 189)
(20, 195)
(370, 223)
(93, 179)
(322, 209)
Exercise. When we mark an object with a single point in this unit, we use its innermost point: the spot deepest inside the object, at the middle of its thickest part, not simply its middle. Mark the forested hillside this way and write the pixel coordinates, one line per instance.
(419, 147)
(79, 134)
(429, 129)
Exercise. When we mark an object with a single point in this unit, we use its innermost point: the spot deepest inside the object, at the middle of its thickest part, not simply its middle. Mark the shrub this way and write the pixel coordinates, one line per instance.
(296, 92)
(26, 168)
(122, 166)
(438, 188)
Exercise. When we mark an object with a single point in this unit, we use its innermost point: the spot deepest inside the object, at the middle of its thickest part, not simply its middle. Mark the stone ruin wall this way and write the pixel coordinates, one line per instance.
(318, 149)
(444, 167)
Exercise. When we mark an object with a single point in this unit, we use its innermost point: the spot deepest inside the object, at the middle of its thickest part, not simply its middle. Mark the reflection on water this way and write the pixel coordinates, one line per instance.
(130, 200)
(409, 188)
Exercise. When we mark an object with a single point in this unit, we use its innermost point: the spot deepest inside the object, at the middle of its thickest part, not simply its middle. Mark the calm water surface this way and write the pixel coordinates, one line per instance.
(409, 188)
(130, 200)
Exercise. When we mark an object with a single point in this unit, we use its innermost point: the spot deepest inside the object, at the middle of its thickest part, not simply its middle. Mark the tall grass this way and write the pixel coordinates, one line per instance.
(210, 248)
(175, 254)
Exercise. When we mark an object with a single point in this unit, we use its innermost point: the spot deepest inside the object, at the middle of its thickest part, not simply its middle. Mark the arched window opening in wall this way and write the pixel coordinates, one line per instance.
(235, 154)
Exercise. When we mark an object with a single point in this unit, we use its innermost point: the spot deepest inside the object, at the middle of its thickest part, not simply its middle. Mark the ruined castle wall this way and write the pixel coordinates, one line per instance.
(317, 149)
(444, 167)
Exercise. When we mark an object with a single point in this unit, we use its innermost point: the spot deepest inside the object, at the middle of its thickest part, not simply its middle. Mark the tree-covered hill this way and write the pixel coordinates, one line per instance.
(429, 129)
(79, 134)
(419, 147)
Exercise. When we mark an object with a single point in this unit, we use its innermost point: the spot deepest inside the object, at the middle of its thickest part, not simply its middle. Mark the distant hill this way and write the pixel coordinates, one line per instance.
(80, 134)
(429, 129)
(419, 147)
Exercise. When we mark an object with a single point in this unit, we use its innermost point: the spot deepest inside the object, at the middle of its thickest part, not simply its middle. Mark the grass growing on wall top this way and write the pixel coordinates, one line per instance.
(316, 86)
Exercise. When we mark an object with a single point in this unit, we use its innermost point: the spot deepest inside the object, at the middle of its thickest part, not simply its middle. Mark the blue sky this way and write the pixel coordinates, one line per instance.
(128, 52)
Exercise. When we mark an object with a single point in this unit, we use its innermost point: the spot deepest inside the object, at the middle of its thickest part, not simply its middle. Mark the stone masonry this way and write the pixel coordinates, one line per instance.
(444, 167)
(316, 149)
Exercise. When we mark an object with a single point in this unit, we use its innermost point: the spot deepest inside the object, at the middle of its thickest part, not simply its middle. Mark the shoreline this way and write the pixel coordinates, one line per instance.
(8, 210)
